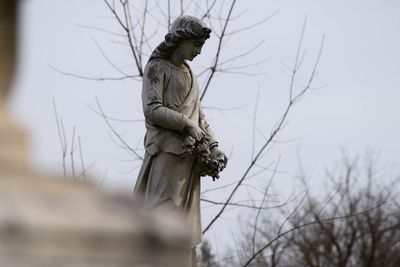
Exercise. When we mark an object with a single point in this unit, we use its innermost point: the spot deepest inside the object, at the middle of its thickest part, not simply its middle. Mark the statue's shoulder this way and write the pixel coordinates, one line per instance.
(162, 65)
(158, 64)
(155, 69)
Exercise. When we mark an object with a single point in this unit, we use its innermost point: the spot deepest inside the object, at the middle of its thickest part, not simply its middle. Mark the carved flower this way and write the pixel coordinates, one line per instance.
(152, 74)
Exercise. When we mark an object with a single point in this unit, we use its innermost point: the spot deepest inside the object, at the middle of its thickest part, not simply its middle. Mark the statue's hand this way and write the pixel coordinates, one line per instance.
(194, 131)
(219, 156)
(188, 145)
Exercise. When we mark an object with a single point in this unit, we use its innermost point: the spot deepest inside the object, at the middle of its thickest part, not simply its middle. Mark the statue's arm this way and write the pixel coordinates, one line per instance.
(152, 95)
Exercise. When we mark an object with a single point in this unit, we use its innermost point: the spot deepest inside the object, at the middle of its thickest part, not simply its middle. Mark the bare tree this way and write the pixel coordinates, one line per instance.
(357, 225)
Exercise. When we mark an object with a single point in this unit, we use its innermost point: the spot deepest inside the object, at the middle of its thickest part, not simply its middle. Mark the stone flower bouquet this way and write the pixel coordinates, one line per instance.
(207, 164)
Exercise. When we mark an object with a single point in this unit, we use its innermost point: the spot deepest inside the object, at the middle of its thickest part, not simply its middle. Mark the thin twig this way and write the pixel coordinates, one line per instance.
(259, 211)
(126, 27)
(216, 61)
(296, 61)
(274, 132)
(254, 24)
(235, 204)
(100, 29)
(97, 79)
(114, 119)
(62, 138)
(143, 29)
(72, 153)
(209, 8)
(83, 172)
(255, 122)
(109, 61)
(126, 145)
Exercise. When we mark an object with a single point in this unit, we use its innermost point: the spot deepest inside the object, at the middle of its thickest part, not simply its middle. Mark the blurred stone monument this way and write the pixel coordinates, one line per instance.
(52, 222)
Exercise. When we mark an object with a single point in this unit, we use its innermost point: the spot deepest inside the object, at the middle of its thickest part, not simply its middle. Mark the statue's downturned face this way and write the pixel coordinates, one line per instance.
(190, 48)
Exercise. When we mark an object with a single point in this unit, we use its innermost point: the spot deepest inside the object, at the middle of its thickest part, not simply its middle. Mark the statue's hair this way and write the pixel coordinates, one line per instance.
(184, 27)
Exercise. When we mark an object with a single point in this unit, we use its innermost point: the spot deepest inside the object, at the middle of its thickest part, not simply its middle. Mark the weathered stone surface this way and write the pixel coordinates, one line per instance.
(50, 221)
(53, 222)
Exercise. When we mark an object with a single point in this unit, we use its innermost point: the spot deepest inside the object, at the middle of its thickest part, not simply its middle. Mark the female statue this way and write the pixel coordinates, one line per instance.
(180, 146)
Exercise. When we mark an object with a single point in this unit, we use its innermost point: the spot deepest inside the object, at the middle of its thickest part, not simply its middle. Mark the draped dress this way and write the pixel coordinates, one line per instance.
(170, 98)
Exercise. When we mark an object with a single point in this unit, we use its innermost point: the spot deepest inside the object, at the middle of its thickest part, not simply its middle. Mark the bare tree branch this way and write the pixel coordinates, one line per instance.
(83, 172)
(267, 187)
(254, 24)
(116, 134)
(126, 26)
(97, 79)
(114, 119)
(216, 61)
(275, 131)
(302, 226)
(72, 150)
(62, 138)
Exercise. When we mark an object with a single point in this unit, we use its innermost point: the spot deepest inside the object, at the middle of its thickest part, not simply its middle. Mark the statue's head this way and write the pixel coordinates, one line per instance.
(187, 33)
(185, 27)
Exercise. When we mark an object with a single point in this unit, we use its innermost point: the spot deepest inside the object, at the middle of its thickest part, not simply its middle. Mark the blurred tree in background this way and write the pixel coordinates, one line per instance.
(354, 223)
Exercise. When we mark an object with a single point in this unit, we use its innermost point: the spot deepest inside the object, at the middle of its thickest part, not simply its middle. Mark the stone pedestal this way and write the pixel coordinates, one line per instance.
(49, 221)
(53, 222)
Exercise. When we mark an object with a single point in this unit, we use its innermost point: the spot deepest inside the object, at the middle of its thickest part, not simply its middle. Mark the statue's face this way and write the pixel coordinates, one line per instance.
(190, 48)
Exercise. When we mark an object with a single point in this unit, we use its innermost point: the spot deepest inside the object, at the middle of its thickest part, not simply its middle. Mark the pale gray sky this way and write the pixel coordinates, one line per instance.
(356, 107)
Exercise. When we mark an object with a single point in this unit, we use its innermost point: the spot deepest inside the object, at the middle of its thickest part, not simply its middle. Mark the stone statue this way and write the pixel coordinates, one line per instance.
(180, 146)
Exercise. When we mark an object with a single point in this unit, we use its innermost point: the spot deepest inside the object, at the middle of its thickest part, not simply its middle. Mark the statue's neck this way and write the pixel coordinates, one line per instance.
(177, 59)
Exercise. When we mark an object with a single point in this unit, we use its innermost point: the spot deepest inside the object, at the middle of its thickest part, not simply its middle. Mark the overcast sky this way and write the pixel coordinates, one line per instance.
(355, 106)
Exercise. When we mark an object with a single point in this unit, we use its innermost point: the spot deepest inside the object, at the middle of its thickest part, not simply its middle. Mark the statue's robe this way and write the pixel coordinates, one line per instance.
(170, 97)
